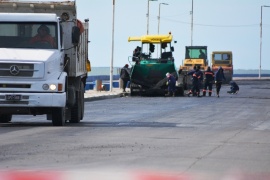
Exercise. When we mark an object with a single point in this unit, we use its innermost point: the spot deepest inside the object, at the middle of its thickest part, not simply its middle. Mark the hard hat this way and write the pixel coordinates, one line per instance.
(167, 74)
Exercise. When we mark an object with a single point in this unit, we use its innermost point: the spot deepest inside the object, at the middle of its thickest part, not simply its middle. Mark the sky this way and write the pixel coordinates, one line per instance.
(227, 25)
(221, 25)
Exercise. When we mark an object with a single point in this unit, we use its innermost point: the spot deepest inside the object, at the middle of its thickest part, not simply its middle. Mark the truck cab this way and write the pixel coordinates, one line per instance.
(42, 74)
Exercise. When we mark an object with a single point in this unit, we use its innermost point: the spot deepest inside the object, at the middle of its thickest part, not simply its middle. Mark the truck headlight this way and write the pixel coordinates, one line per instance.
(52, 87)
(45, 86)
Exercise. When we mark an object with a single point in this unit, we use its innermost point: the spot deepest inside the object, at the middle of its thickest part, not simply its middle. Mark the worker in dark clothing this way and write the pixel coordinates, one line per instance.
(196, 81)
(125, 76)
(136, 54)
(208, 83)
(234, 88)
(219, 76)
(200, 73)
(190, 73)
(171, 81)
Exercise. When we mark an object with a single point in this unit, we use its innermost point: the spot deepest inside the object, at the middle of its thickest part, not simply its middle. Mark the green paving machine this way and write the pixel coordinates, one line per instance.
(149, 67)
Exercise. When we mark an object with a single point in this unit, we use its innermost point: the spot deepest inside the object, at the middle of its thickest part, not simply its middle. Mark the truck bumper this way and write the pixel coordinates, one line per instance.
(32, 100)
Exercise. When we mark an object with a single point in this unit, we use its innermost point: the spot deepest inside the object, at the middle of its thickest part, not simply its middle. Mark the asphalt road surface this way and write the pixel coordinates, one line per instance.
(185, 135)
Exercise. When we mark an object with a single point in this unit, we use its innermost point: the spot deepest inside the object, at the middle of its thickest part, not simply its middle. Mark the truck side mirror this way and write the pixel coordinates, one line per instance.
(75, 35)
(172, 49)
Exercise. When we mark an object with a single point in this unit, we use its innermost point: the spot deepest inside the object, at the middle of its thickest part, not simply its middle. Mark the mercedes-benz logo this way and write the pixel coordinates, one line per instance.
(14, 70)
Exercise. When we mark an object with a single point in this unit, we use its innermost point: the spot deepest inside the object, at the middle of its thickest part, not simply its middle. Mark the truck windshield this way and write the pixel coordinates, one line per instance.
(28, 35)
(196, 53)
(220, 57)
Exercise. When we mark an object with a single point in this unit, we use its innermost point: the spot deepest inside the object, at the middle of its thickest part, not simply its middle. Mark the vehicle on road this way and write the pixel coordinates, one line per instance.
(225, 60)
(42, 77)
(148, 73)
(194, 56)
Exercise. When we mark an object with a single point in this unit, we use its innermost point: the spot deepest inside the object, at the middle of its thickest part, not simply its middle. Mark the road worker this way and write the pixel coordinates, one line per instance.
(190, 73)
(219, 77)
(171, 81)
(125, 76)
(208, 81)
(196, 81)
(234, 88)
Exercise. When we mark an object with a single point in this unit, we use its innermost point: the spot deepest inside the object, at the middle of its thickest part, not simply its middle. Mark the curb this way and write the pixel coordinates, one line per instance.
(103, 97)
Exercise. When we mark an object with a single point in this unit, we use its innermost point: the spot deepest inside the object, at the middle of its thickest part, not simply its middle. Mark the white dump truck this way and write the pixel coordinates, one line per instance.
(42, 74)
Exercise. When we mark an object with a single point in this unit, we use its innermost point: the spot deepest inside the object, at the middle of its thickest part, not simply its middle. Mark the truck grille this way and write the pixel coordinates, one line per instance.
(15, 86)
(16, 69)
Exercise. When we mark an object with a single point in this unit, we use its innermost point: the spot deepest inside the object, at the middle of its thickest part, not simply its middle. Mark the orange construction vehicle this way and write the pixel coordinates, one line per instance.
(194, 56)
(225, 60)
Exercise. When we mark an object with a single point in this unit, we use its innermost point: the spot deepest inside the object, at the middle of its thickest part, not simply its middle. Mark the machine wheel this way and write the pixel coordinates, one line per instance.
(58, 116)
(134, 89)
(180, 91)
(5, 118)
(77, 111)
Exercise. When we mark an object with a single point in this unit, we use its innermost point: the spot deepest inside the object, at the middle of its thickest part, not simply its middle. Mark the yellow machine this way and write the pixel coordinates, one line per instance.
(225, 60)
(194, 56)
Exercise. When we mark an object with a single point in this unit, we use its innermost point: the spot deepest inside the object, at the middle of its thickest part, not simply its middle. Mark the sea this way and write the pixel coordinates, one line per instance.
(105, 71)
(102, 74)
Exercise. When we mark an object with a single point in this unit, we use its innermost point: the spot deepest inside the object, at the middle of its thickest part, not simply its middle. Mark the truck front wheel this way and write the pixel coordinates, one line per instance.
(77, 111)
(5, 118)
(58, 116)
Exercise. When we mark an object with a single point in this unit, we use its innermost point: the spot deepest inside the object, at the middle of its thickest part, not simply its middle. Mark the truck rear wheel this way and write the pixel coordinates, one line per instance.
(77, 111)
(58, 116)
(5, 118)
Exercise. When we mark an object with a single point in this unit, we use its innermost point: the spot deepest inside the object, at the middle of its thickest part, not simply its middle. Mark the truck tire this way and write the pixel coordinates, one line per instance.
(77, 111)
(82, 98)
(59, 116)
(5, 118)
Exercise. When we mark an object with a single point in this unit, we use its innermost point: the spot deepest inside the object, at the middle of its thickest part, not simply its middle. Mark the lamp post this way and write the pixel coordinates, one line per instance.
(191, 12)
(147, 15)
(159, 14)
(159, 20)
(111, 68)
(261, 43)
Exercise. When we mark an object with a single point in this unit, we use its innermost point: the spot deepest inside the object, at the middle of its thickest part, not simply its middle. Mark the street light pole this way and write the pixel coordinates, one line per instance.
(191, 23)
(159, 21)
(111, 68)
(147, 15)
(261, 43)
(159, 14)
